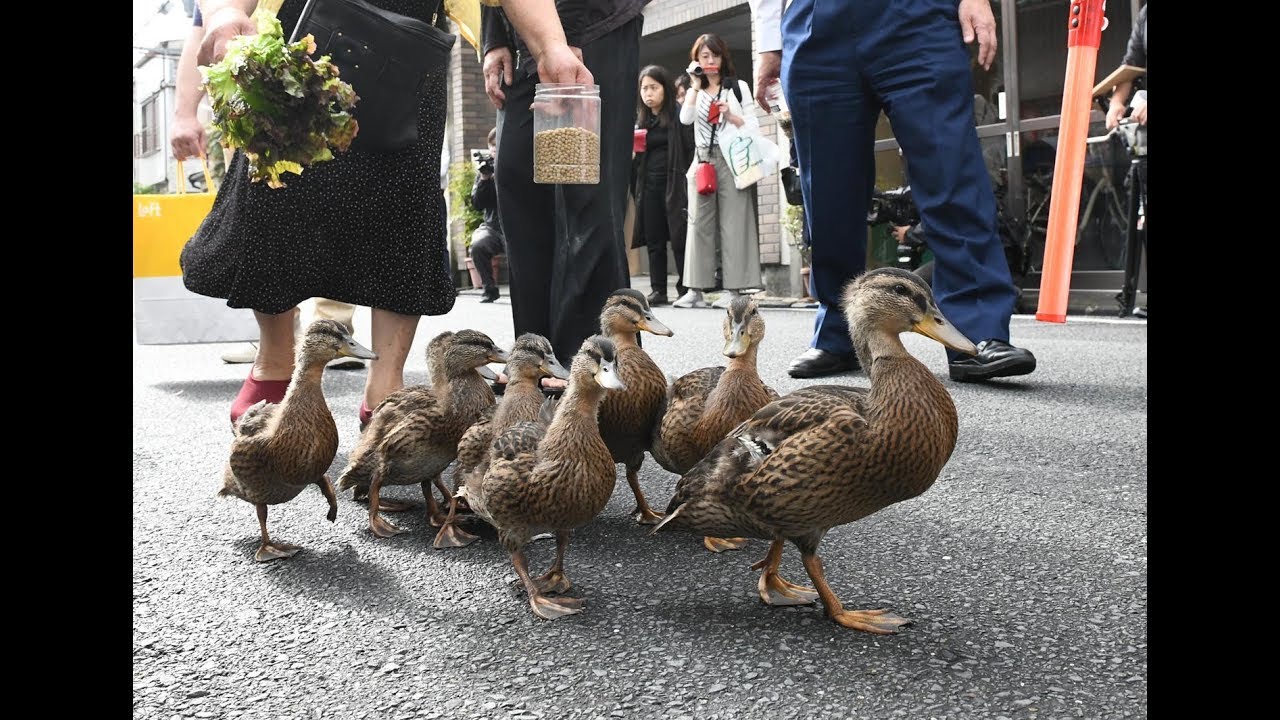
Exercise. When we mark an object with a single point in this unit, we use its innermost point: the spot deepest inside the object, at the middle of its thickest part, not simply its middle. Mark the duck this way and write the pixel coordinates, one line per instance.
(418, 447)
(554, 474)
(393, 409)
(531, 358)
(281, 448)
(827, 455)
(702, 406)
(627, 417)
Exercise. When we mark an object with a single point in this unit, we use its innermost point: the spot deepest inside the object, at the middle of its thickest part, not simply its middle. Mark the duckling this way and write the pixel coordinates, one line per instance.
(627, 418)
(281, 448)
(423, 443)
(828, 455)
(554, 474)
(532, 359)
(393, 409)
(704, 405)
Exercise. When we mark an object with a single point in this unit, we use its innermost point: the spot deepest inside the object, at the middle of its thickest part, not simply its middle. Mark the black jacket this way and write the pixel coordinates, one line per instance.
(583, 21)
(679, 155)
(484, 197)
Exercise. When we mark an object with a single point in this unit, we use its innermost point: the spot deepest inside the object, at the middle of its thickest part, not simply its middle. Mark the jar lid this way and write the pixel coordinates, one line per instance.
(580, 88)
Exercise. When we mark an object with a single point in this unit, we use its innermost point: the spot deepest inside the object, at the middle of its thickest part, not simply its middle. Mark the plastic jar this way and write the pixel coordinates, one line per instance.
(566, 134)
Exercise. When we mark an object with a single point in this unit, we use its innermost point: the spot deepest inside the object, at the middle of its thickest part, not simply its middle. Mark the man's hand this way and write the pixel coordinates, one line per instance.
(186, 138)
(1115, 113)
(768, 69)
(563, 64)
(1140, 115)
(977, 21)
(227, 22)
(499, 68)
(900, 232)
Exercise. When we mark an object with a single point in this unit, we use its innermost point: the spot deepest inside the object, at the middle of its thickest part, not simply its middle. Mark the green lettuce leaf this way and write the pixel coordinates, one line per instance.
(283, 108)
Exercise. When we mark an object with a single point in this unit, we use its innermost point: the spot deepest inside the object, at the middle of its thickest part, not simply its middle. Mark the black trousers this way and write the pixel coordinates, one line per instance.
(656, 236)
(565, 247)
(485, 244)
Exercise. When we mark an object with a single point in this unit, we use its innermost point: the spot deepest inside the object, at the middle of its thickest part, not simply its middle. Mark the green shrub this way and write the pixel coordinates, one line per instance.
(462, 175)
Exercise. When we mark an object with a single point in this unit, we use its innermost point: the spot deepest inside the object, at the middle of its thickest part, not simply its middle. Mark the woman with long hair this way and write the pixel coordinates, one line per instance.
(725, 218)
(657, 179)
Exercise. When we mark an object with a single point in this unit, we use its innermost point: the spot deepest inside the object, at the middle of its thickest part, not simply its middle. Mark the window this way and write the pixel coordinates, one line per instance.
(147, 140)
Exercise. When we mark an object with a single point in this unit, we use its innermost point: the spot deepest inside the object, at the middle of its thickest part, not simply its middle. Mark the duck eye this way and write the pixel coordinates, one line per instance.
(901, 289)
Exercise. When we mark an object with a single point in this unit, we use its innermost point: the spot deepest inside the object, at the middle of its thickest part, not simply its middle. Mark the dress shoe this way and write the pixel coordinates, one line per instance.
(656, 298)
(489, 296)
(995, 358)
(817, 363)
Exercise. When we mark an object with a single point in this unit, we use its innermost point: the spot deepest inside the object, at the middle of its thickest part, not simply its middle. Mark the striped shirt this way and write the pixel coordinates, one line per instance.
(702, 128)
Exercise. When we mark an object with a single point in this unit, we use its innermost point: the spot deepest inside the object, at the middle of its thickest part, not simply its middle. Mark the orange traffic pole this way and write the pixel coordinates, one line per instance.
(1084, 35)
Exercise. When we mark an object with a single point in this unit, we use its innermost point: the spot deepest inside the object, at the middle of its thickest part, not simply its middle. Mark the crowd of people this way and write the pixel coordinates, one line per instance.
(369, 228)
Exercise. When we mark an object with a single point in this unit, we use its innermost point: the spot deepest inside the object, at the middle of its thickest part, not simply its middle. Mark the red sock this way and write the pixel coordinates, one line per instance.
(254, 390)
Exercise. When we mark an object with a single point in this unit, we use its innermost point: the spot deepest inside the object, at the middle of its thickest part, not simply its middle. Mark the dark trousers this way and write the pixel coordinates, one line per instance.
(565, 247)
(485, 245)
(842, 63)
(657, 234)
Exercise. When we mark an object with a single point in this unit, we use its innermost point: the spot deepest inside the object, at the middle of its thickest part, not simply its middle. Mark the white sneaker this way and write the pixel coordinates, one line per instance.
(346, 363)
(240, 357)
(724, 300)
(692, 298)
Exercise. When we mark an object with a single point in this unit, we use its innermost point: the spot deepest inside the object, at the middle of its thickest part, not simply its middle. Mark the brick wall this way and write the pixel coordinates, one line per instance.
(471, 115)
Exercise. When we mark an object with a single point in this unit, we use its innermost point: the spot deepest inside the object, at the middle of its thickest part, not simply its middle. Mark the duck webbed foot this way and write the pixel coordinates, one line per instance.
(642, 512)
(774, 590)
(450, 534)
(326, 487)
(715, 544)
(555, 581)
(880, 622)
(552, 608)
(271, 550)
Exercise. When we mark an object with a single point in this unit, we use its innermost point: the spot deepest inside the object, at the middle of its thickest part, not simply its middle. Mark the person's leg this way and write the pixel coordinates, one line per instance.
(342, 312)
(590, 259)
(677, 237)
(484, 246)
(525, 209)
(700, 242)
(928, 96)
(392, 337)
(834, 120)
(655, 238)
(739, 231)
(272, 368)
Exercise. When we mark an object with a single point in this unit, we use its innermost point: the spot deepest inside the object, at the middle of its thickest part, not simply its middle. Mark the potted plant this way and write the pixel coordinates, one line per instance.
(793, 223)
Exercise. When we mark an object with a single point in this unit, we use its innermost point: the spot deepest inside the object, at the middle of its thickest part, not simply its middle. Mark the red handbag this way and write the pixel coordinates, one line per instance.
(704, 178)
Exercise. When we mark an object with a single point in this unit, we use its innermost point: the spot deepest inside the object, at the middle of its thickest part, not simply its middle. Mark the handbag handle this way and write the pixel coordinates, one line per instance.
(182, 176)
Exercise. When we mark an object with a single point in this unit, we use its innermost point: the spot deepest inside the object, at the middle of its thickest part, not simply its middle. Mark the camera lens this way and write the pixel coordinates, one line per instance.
(697, 70)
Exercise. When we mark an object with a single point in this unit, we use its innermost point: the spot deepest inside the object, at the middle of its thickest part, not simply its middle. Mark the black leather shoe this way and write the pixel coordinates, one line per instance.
(995, 358)
(817, 363)
(489, 296)
(657, 298)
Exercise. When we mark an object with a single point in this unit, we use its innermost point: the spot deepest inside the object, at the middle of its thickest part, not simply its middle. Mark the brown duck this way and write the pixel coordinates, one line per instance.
(279, 449)
(393, 409)
(627, 418)
(531, 359)
(552, 475)
(828, 455)
(704, 405)
(422, 444)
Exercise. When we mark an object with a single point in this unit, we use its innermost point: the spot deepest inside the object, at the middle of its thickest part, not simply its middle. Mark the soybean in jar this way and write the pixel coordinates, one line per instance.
(566, 134)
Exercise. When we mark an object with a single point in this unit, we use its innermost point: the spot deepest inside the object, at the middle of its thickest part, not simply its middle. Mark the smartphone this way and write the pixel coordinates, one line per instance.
(713, 115)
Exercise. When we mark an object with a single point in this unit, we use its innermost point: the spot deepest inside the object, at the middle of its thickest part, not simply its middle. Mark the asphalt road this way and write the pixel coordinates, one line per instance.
(1024, 568)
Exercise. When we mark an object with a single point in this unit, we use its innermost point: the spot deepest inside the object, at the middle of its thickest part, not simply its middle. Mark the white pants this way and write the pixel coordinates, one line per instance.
(726, 220)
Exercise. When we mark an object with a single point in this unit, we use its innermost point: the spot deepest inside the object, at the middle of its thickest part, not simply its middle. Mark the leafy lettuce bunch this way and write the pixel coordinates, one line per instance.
(282, 108)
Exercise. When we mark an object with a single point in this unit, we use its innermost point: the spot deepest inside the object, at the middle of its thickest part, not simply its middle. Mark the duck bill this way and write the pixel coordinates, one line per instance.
(738, 343)
(553, 368)
(607, 377)
(356, 350)
(487, 373)
(651, 324)
(498, 355)
(935, 326)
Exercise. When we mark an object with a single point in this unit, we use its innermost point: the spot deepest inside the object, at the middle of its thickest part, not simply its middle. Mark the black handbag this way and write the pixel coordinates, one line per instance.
(791, 186)
(385, 56)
